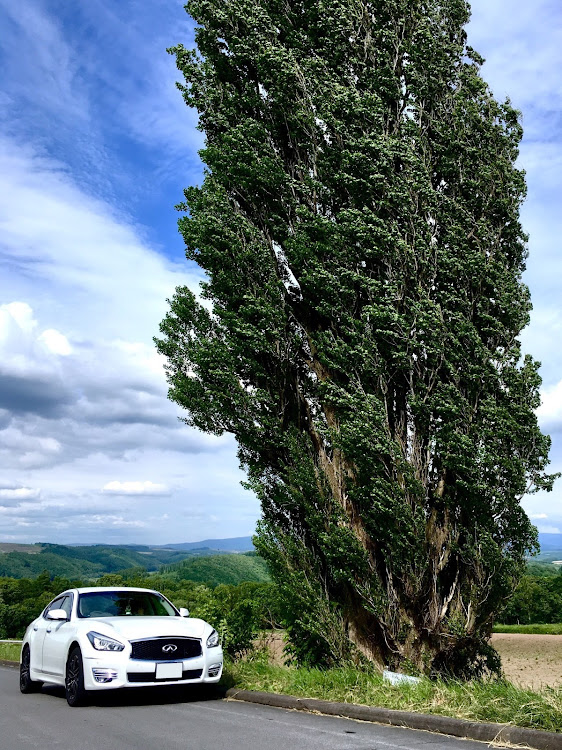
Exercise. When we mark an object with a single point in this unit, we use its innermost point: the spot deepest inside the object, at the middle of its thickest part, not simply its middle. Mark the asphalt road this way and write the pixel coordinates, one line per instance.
(182, 720)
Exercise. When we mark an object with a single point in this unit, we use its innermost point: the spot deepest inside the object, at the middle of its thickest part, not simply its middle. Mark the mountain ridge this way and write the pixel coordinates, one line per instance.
(230, 544)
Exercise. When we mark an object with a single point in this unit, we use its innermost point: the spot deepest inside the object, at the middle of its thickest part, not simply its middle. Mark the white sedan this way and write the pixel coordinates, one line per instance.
(103, 638)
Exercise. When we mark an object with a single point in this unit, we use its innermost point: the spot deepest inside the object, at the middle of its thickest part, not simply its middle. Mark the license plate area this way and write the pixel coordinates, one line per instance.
(169, 671)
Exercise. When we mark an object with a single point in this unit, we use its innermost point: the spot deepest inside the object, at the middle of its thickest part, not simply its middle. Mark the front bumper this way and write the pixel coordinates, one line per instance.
(108, 671)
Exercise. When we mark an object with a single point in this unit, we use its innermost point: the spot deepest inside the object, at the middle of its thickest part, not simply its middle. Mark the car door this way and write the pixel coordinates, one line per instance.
(37, 637)
(57, 634)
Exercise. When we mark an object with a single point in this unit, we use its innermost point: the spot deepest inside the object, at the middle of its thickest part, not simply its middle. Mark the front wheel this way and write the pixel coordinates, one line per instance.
(27, 685)
(74, 679)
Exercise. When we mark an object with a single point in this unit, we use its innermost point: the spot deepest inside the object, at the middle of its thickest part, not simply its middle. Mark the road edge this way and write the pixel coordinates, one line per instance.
(6, 663)
(472, 730)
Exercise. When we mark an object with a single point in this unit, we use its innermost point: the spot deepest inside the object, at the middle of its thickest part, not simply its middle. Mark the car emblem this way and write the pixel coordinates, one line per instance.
(169, 648)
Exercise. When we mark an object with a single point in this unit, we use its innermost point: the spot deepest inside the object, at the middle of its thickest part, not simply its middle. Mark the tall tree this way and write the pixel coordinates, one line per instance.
(358, 224)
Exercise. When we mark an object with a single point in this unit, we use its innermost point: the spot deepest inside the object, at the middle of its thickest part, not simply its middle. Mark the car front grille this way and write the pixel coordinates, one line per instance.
(188, 674)
(166, 649)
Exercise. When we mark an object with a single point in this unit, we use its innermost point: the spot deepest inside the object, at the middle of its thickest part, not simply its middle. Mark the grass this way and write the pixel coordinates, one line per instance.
(10, 651)
(555, 629)
(487, 700)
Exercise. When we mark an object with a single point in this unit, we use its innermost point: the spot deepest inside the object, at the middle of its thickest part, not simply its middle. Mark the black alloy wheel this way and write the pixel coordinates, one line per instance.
(27, 685)
(74, 679)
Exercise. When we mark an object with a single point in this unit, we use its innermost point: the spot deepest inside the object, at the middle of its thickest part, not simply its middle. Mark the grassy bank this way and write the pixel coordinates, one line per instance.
(10, 651)
(555, 629)
(494, 701)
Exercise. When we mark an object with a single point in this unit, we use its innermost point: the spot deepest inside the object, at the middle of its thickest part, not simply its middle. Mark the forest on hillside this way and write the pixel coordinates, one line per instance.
(234, 593)
(238, 611)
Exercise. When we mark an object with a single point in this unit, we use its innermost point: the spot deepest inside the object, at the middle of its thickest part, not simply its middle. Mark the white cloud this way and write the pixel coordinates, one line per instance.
(548, 529)
(114, 521)
(98, 288)
(50, 74)
(521, 43)
(538, 516)
(91, 130)
(56, 342)
(135, 488)
(31, 378)
(83, 392)
(54, 234)
(16, 313)
(18, 494)
(550, 410)
(149, 107)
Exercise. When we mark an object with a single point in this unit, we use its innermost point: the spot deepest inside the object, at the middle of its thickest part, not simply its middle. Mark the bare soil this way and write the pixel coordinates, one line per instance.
(274, 641)
(533, 661)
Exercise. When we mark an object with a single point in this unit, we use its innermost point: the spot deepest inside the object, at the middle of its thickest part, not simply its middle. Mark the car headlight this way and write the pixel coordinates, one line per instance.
(104, 643)
(213, 639)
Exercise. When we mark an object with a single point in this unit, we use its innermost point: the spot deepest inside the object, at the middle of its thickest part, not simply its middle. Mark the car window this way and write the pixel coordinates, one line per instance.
(66, 604)
(124, 603)
(55, 604)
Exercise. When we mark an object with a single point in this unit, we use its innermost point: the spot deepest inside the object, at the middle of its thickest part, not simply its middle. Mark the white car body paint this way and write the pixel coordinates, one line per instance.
(50, 642)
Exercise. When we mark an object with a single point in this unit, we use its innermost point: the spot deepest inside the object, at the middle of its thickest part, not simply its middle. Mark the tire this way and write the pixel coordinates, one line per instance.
(74, 679)
(27, 685)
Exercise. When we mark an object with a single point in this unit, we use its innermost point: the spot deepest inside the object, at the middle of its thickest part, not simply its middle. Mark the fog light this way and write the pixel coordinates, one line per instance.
(214, 669)
(104, 675)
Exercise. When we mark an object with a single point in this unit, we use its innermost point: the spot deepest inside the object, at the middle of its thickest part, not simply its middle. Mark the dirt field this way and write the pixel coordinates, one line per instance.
(530, 660)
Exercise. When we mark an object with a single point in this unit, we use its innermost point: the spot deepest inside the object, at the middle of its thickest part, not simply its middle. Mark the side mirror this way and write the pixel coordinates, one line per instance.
(184, 612)
(57, 614)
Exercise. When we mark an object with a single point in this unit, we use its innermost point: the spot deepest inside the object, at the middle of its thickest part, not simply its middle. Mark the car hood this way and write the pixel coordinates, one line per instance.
(135, 627)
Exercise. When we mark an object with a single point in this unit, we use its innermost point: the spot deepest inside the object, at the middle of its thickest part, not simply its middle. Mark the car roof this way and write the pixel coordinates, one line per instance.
(101, 589)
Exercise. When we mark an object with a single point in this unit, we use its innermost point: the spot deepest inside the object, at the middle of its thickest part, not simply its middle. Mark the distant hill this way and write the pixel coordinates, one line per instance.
(550, 541)
(90, 561)
(234, 544)
(31, 549)
(231, 569)
(84, 562)
(551, 548)
(542, 568)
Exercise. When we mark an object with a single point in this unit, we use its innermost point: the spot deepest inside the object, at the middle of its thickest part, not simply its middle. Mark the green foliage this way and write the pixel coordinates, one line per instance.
(312, 622)
(547, 556)
(22, 600)
(548, 629)
(358, 227)
(238, 612)
(214, 570)
(10, 651)
(543, 569)
(86, 561)
(537, 599)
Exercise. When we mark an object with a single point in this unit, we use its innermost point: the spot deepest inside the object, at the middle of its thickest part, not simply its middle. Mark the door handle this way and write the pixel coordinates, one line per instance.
(35, 628)
(48, 630)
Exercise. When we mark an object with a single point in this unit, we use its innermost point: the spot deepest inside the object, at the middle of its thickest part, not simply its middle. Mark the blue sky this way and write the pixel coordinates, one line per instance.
(96, 146)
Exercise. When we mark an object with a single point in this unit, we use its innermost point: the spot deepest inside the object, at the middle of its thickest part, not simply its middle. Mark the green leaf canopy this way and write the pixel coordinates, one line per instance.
(358, 329)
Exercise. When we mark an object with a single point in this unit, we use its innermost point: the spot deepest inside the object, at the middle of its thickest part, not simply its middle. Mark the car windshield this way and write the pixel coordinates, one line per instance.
(120, 603)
